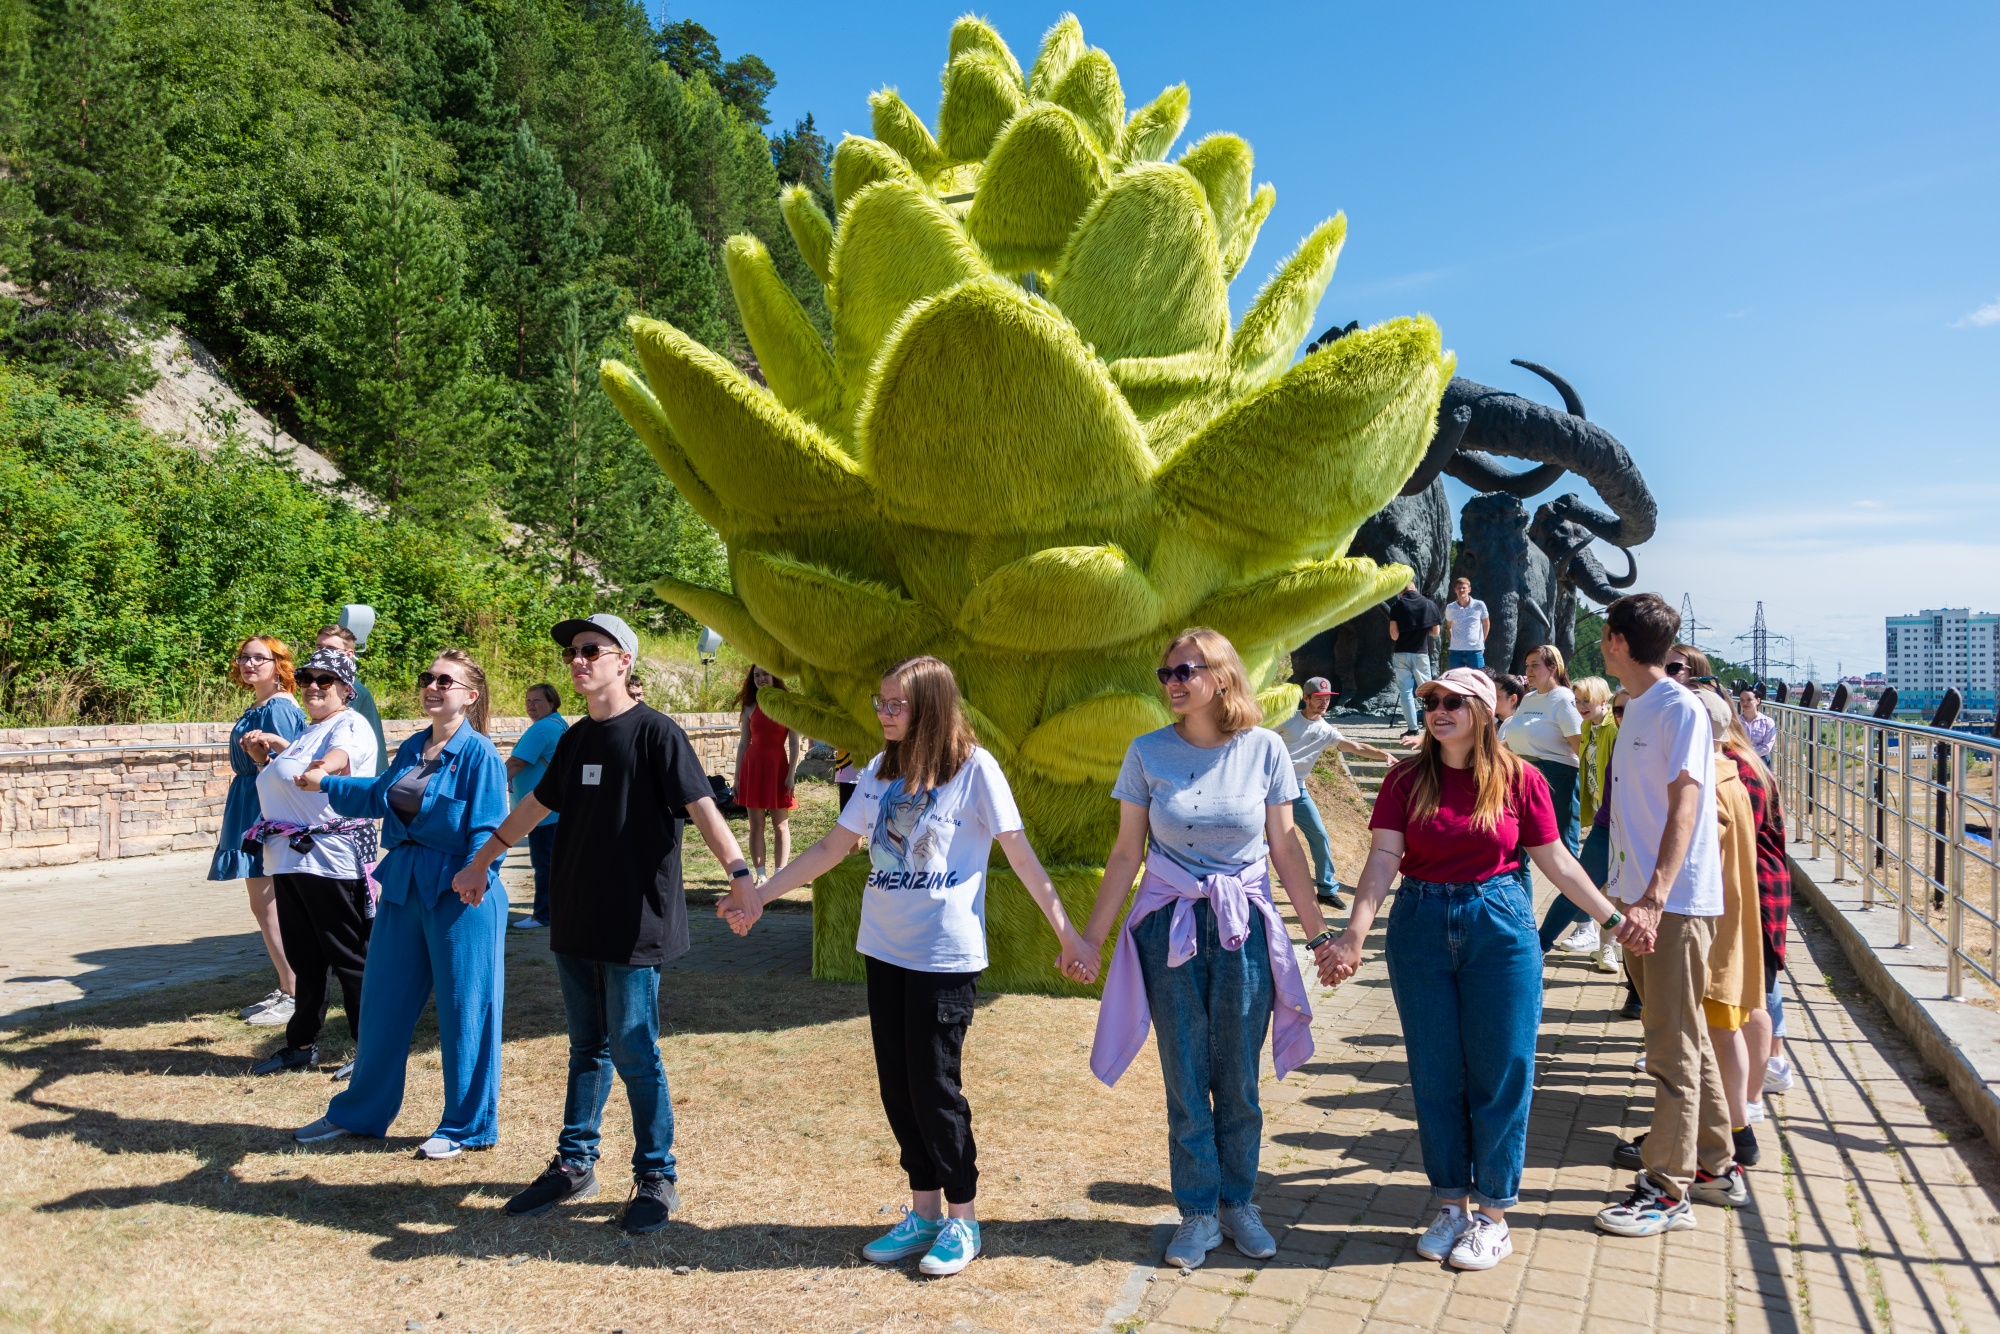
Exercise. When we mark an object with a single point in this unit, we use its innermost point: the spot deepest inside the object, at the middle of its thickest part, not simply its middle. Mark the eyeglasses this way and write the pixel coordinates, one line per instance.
(1617, 710)
(1446, 703)
(252, 660)
(442, 680)
(588, 652)
(890, 708)
(1180, 672)
(314, 680)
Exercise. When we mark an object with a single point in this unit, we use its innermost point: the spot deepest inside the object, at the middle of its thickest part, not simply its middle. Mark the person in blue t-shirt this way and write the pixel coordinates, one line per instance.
(530, 760)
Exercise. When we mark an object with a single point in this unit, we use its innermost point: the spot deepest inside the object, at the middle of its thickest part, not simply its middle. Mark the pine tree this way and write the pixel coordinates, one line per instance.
(404, 404)
(449, 72)
(801, 158)
(98, 259)
(653, 251)
(533, 255)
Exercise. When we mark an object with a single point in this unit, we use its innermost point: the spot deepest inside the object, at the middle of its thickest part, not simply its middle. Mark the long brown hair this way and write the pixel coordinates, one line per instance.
(746, 698)
(281, 659)
(475, 676)
(1495, 771)
(939, 740)
(1239, 710)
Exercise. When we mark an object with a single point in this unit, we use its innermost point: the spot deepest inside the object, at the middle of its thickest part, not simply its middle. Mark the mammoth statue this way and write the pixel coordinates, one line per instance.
(1527, 569)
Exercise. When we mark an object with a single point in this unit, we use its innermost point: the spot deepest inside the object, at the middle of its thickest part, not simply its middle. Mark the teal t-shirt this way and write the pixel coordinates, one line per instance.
(536, 748)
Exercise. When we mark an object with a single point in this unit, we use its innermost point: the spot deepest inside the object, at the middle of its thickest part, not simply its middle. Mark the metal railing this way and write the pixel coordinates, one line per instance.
(20, 754)
(1910, 811)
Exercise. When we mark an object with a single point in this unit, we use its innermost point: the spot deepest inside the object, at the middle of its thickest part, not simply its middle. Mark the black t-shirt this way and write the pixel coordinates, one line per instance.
(1413, 615)
(615, 895)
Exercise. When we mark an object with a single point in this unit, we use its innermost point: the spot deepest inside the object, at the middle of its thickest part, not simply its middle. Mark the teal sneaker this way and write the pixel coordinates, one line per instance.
(956, 1245)
(912, 1236)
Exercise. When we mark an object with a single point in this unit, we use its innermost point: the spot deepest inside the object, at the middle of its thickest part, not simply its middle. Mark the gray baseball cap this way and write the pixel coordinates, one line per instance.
(604, 623)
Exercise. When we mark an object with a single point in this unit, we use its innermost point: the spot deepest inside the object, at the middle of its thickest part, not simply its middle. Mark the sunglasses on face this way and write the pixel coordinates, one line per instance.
(1676, 668)
(588, 652)
(1618, 711)
(442, 680)
(1180, 672)
(1447, 703)
(891, 708)
(313, 680)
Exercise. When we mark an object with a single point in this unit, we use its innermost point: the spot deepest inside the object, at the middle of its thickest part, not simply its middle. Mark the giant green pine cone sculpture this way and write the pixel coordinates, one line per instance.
(1036, 448)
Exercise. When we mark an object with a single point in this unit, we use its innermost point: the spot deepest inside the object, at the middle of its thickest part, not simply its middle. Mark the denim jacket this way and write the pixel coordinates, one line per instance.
(464, 802)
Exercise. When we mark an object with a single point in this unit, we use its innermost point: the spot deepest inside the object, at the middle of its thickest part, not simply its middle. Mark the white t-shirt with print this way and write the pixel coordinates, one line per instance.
(333, 855)
(924, 907)
(1540, 729)
(1468, 625)
(1665, 733)
(1305, 738)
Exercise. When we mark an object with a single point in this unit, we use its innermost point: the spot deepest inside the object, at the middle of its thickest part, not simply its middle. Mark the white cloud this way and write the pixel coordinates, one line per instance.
(1979, 319)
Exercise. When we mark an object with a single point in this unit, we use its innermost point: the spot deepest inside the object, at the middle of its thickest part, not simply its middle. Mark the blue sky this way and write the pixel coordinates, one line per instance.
(1762, 241)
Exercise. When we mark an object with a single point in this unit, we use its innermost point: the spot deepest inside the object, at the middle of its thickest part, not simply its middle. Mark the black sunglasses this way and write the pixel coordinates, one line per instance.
(442, 680)
(1180, 672)
(588, 652)
(1676, 668)
(318, 679)
(1447, 702)
(1617, 710)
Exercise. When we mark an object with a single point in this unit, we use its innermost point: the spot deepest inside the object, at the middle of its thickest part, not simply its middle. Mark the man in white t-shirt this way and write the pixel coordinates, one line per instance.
(1307, 734)
(1466, 615)
(1666, 865)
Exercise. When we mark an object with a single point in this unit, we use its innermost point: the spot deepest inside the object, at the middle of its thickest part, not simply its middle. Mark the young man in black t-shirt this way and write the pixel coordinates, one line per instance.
(1413, 623)
(620, 779)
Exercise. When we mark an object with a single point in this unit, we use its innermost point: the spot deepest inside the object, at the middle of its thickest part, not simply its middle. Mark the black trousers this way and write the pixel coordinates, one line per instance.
(325, 925)
(918, 1022)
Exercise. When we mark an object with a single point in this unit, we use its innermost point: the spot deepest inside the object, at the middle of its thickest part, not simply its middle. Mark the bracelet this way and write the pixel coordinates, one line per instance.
(494, 837)
(1321, 938)
(1611, 923)
(739, 872)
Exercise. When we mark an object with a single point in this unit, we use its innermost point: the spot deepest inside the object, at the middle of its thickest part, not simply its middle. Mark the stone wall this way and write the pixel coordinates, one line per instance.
(74, 794)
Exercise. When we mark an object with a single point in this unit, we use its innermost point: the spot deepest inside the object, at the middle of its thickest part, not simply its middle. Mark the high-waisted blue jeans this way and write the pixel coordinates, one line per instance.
(1467, 978)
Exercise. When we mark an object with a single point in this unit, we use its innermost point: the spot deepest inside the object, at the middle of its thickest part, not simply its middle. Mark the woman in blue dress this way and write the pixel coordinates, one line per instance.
(263, 666)
(439, 799)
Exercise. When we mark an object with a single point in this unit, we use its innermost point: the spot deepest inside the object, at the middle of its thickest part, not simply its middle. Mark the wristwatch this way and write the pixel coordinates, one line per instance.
(739, 873)
(1321, 939)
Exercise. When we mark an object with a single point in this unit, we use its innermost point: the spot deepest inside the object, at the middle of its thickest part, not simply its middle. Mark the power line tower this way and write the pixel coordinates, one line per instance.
(1760, 646)
(1691, 629)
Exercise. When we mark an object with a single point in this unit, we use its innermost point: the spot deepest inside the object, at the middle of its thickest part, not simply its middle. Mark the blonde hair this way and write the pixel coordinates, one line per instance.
(1551, 657)
(281, 658)
(1495, 771)
(475, 712)
(1237, 709)
(1591, 691)
(939, 740)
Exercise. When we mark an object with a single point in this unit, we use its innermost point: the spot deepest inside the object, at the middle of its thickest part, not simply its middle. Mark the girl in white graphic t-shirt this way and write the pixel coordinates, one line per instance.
(929, 808)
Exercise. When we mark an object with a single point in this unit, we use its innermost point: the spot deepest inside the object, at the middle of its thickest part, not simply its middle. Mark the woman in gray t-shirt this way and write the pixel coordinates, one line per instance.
(1207, 803)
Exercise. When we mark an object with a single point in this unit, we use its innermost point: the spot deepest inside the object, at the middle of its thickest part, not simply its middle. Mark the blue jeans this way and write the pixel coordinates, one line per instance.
(1471, 657)
(1468, 985)
(1412, 670)
(614, 1023)
(541, 856)
(1596, 860)
(1210, 1017)
(1567, 792)
(1306, 816)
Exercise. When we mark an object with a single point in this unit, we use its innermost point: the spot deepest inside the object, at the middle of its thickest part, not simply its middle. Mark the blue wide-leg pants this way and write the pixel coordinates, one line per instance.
(458, 952)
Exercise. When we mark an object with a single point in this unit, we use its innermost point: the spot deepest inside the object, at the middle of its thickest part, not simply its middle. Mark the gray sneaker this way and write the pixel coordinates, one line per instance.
(256, 1008)
(1197, 1235)
(1244, 1225)
(273, 1016)
(1443, 1233)
(318, 1132)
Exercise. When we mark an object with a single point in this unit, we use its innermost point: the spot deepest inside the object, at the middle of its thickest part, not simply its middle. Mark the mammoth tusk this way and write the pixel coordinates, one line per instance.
(1450, 432)
(1571, 402)
(1482, 474)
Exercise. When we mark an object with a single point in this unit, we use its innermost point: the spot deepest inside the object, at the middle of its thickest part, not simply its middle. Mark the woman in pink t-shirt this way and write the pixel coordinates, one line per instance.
(1465, 965)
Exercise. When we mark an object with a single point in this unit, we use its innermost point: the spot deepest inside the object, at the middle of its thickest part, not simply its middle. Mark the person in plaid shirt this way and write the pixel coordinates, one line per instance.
(1764, 1030)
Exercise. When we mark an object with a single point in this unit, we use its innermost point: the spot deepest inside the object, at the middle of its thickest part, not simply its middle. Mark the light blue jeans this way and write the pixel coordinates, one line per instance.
(1467, 977)
(1412, 670)
(1306, 816)
(614, 1024)
(1210, 1017)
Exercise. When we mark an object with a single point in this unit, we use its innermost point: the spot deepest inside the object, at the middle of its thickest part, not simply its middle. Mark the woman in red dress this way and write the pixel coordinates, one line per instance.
(767, 755)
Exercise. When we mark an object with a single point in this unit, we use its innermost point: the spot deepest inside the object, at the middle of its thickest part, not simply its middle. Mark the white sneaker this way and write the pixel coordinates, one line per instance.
(526, 924)
(1485, 1244)
(1197, 1235)
(1778, 1077)
(437, 1147)
(1640, 1064)
(256, 1008)
(1753, 1113)
(1443, 1233)
(1608, 957)
(274, 1016)
(1581, 940)
(758, 876)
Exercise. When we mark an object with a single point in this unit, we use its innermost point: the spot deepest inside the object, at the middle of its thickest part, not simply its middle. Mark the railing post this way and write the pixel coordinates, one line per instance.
(1840, 800)
(1954, 967)
(1903, 855)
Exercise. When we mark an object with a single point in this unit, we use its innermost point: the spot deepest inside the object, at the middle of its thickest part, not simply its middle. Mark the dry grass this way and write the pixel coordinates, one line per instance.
(149, 1184)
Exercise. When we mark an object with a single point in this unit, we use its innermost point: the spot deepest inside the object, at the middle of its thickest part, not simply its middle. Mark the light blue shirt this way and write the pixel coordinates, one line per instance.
(535, 748)
(1205, 808)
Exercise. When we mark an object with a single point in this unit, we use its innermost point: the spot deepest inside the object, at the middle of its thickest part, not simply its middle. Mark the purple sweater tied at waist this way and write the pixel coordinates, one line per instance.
(1124, 1019)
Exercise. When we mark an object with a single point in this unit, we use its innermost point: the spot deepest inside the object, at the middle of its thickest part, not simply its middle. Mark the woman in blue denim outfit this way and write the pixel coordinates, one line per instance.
(1464, 963)
(439, 800)
(1204, 959)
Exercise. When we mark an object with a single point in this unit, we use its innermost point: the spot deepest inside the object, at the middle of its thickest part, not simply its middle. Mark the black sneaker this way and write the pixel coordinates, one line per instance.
(1630, 1009)
(1626, 1155)
(1331, 898)
(559, 1181)
(291, 1058)
(653, 1199)
(1747, 1152)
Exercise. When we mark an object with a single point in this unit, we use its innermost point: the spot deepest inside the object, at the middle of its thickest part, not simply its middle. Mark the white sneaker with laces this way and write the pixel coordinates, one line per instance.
(1778, 1077)
(273, 1016)
(256, 1008)
(1581, 940)
(1244, 1225)
(1443, 1233)
(1197, 1235)
(1485, 1244)
(1608, 957)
